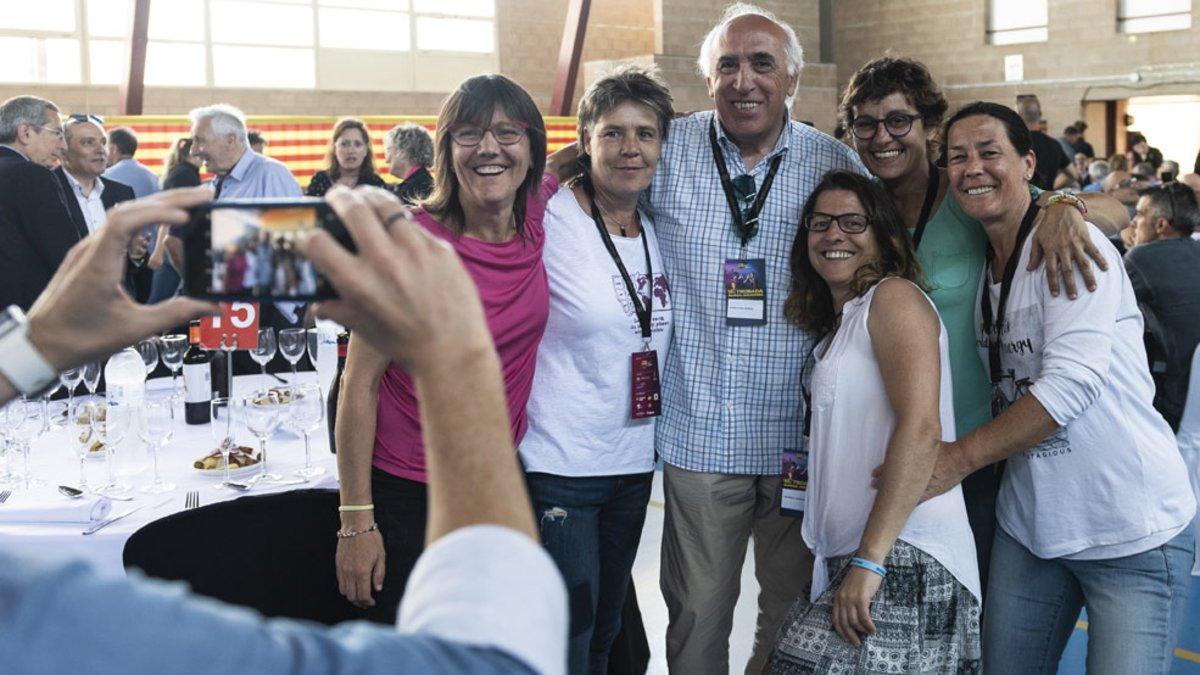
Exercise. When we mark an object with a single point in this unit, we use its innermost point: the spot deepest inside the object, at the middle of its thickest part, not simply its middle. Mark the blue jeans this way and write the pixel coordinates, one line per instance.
(1135, 606)
(591, 526)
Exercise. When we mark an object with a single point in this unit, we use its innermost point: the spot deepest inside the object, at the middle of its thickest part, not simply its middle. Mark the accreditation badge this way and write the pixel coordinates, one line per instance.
(795, 483)
(745, 283)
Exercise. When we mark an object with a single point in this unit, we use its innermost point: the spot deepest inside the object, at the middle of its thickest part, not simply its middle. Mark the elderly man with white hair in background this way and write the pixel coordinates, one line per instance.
(727, 198)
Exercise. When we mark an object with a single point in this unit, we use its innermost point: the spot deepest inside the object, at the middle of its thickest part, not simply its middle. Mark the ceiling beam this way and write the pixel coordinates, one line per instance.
(569, 55)
(133, 85)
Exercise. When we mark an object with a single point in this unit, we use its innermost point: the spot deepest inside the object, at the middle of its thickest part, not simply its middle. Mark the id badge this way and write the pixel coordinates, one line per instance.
(745, 283)
(647, 396)
(795, 483)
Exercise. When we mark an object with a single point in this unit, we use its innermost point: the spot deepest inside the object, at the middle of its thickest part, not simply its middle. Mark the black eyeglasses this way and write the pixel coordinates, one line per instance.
(897, 124)
(470, 135)
(850, 223)
(86, 117)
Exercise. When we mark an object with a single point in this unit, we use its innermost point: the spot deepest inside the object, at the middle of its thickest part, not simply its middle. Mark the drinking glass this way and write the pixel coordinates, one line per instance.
(262, 412)
(292, 343)
(9, 418)
(111, 422)
(306, 412)
(91, 376)
(172, 349)
(70, 379)
(156, 430)
(25, 423)
(148, 348)
(314, 345)
(79, 421)
(265, 351)
(222, 430)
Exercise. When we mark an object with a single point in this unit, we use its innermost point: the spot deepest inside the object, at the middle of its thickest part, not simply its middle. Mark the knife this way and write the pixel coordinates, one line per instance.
(105, 523)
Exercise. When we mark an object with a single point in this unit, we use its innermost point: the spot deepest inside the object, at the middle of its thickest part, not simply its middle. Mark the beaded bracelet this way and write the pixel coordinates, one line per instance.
(1067, 198)
(869, 566)
(355, 507)
(350, 534)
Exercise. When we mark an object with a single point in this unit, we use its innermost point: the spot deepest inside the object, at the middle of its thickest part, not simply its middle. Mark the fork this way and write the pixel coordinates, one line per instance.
(192, 500)
(5, 495)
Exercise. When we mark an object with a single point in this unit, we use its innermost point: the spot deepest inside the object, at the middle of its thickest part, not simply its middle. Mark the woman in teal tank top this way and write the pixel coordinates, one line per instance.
(892, 111)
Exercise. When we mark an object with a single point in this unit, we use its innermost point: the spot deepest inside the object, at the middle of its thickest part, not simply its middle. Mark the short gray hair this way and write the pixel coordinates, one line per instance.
(226, 119)
(414, 141)
(626, 84)
(1099, 170)
(708, 48)
(20, 110)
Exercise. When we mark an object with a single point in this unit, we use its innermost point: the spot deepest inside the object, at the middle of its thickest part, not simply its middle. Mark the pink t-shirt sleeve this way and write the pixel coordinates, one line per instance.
(535, 203)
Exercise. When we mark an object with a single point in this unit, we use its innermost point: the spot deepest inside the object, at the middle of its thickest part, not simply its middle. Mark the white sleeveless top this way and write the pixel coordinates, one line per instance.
(852, 423)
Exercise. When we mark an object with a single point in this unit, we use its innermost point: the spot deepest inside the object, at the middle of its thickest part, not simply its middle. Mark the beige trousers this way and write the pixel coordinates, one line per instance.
(709, 518)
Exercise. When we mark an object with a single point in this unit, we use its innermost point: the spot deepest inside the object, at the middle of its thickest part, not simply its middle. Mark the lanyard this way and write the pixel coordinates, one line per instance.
(993, 328)
(643, 312)
(746, 228)
(930, 195)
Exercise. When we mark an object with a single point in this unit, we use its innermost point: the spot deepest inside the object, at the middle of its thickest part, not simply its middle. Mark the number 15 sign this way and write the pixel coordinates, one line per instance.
(235, 328)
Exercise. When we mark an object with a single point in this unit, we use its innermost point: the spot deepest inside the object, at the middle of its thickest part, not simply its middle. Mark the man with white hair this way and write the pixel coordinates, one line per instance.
(36, 229)
(727, 198)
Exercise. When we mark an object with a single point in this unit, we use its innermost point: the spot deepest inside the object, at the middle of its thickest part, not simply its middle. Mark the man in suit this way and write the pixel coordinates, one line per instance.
(89, 195)
(408, 149)
(36, 229)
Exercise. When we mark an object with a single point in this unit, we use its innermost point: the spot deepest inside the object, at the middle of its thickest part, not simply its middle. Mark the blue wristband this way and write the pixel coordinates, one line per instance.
(869, 566)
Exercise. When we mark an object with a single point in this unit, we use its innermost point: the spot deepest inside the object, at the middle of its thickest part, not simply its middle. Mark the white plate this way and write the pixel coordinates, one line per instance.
(220, 473)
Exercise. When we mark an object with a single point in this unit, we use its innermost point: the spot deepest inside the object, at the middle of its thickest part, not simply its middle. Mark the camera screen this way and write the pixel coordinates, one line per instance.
(256, 252)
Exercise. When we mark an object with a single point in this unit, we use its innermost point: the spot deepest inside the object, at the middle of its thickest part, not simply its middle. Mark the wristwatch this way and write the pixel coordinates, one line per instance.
(20, 361)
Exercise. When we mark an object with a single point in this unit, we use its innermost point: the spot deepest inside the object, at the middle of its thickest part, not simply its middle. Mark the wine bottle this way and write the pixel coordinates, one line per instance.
(197, 379)
(343, 342)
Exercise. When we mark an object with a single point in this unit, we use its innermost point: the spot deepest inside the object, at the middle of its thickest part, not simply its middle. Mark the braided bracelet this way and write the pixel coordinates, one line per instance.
(350, 534)
(869, 566)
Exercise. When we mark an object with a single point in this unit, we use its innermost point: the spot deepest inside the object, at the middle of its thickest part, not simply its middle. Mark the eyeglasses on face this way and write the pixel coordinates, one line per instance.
(850, 223)
(470, 135)
(897, 124)
(54, 131)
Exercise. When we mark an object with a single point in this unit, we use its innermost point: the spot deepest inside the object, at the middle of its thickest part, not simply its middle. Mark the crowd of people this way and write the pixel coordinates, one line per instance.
(936, 316)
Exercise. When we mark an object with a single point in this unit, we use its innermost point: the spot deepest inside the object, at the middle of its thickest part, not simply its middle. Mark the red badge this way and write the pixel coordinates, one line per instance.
(647, 396)
(237, 327)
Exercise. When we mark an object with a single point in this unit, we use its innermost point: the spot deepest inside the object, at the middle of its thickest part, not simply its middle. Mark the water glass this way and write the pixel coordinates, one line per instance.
(265, 351)
(262, 413)
(156, 430)
(306, 412)
(111, 423)
(292, 343)
(222, 430)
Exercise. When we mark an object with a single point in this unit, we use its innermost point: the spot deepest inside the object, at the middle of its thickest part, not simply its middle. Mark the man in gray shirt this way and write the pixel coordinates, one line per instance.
(1162, 268)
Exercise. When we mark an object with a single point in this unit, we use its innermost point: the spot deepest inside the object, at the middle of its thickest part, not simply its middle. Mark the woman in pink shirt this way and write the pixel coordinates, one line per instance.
(488, 201)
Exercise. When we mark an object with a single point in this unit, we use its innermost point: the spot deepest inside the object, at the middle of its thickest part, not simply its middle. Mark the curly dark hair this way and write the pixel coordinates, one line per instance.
(888, 75)
(809, 304)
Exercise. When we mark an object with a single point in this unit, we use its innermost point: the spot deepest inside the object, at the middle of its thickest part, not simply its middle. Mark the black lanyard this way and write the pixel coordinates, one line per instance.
(643, 312)
(994, 328)
(746, 228)
(931, 190)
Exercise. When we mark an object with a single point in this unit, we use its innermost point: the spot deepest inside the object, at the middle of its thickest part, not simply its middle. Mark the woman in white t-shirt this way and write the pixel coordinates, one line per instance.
(895, 584)
(589, 450)
(1095, 504)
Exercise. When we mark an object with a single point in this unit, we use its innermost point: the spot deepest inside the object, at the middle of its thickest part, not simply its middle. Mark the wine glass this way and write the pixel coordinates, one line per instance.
(265, 351)
(306, 412)
(70, 379)
(9, 417)
(314, 345)
(292, 343)
(111, 422)
(91, 376)
(26, 422)
(172, 349)
(148, 348)
(80, 422)
(262, 412)
(222, 430)
(156, 430)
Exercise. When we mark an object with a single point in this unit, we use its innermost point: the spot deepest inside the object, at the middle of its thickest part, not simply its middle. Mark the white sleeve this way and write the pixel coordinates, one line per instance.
(490, 586)
(1078, 338)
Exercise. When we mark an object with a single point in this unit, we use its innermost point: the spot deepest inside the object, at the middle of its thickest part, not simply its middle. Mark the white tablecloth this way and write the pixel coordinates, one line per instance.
(53, 460)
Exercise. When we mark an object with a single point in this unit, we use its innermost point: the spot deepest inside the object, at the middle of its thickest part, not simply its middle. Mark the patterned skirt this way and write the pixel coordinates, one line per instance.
(925, 622)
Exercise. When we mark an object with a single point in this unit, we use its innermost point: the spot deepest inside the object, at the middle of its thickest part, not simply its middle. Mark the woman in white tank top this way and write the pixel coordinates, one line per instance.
(896, 584)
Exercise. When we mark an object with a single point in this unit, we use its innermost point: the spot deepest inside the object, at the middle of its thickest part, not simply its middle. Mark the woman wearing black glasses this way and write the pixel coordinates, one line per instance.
(893, 108)
(895, 583)
(488, 201)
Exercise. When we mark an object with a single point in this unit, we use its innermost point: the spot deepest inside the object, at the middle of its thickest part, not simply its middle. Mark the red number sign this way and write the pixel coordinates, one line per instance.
(237, 327)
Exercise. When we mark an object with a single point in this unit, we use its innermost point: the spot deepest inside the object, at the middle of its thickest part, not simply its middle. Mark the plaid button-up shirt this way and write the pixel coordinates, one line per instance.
(731, 394)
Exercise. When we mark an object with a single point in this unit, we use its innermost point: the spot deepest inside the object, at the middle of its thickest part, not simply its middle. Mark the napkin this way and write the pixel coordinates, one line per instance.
(48, 506)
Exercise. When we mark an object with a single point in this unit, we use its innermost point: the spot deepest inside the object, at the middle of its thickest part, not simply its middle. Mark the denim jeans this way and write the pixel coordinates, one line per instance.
(1135, 606)
(591, 526)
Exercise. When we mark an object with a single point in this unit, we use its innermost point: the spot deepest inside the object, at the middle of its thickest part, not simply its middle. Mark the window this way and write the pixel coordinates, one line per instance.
(1148, 16)
(351, 44)
(1016, 21)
